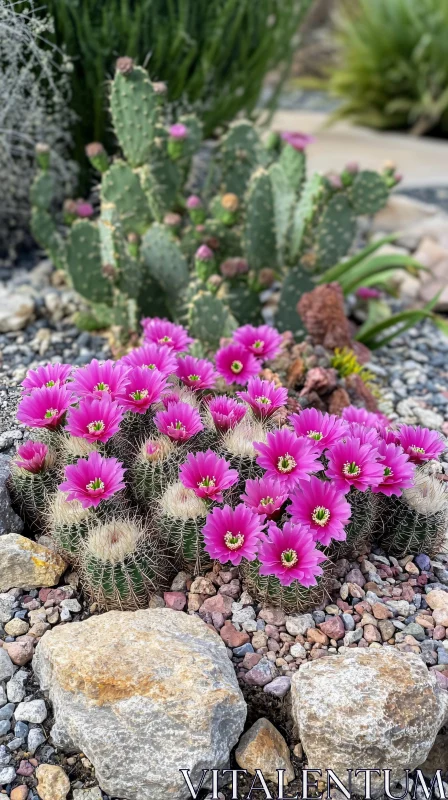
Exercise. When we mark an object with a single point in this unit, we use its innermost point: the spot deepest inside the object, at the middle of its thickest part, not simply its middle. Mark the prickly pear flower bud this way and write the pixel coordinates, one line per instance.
(230, 202)
(214, 282)
(299, 141)
(84, 210)
(334, 181)
(204, 253)
(97, 156)
(204, 262)
(133, 238)
(125, 65)
(193, 201)
(70, 211)
(178, 131)
(266, 277)
(229, 268)
(172, 220)
(159, 87)
(109, 271)
(352, 167)
(42, 151)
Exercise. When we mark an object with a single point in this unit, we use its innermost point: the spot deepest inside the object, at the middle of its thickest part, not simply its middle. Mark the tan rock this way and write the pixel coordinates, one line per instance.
(315, 636)
(437, 598)
(25, 564)
(203, 586)
(263, 747)
(440, 616)
(140, 693)
(19, 793)
(53, 783)
(16, 310)
(16, 627)
(380, 611)
(364, 707)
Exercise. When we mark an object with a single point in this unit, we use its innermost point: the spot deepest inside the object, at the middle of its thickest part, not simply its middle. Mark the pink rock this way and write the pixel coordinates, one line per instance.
(261, 674)
(355, 576)
(232, 589)
(25, 769)
(20, 652)
(251, 659)
(232, 637)
(273, 616)
(408, 592)
(439, 633)
(218, 620)
(175, 600)
(334, 628)
(272, 632)
(371, 634)
(219, 603)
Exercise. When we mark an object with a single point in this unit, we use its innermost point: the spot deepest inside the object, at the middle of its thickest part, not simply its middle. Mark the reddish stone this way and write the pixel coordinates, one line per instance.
(407, 593)
(343, 605)
(25, 769)
(251, 660)
(371, 634)
(334, 628)
(231, 636)
(439, 633)
(380, 611)
(373, 587)
(422, 580)
(219, 603)
(273, 616)
(361, 608)
(175, 600)
(20, 652)
(272, 632)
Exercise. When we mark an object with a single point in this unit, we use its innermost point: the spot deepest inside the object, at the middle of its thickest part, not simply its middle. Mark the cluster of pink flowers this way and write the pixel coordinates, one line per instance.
(309, 467)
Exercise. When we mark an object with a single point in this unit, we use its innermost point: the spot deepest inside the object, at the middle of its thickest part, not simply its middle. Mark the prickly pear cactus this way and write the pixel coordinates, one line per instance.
(84, 263)
(134, 105)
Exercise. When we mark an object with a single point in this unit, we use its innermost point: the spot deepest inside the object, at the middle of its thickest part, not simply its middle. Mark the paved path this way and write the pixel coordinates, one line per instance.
(422, 162)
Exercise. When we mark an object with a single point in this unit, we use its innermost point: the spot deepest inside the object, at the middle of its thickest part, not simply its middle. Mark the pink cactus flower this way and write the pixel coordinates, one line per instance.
(153, 357)
(208, 475)
(235, 364)
(263, 341)
(93, 479)
(31, 456)
(196, 373)
(226, 412)
(231, 534)
(287, 458)
(323, 508)
(265, 496)
(204, 253)
(365, 435)
(264, 397)
(389, 435)
(84, 210)
(45, 407)
(95, 420)
(180, 422)
(193, 202)
(398, 470)
(323, 430)
(98, 380)
(145, 387)
(49, 375)
(178, 131)
(351, 463)
(299, 141)
(373, 419)
(166, 333)
(421, 444)
(367, 293)
(290, 554)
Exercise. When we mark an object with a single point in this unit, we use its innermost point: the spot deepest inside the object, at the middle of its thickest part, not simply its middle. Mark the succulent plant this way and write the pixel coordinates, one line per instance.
(155, 248)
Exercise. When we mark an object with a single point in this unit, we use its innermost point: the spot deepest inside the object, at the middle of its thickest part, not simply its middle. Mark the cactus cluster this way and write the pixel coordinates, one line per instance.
(193, 237)
(164, 461)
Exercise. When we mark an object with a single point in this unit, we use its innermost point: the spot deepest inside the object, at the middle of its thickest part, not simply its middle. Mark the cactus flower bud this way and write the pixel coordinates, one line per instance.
(266, 277)
(178, 133)
(42, 151)
(160, 88)
(84, 210)
(97, 156)
(214, 282)
(299, 141)
(133, 244)
(352, 167)
(230, 202)
(109, 271)
(195, 209)
(232, 267)
(172, 220)
(200, 228)
(125, 65)
(70, 211)
(204, 262)
(334, 181)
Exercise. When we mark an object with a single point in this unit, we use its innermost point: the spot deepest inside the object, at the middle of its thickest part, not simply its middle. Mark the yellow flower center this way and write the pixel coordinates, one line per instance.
(316, 435)
(289, 558)
(351, 469)
(286, 463)
(95, 485)
(320, 515)
(140, 394)
(51, 412)
(236, 367)
(101, 387)
(233, 541)
(96, 427)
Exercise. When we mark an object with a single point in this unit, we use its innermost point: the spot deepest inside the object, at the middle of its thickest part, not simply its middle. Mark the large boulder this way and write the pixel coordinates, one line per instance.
(24, 564)
(142, 694)
(376, 709)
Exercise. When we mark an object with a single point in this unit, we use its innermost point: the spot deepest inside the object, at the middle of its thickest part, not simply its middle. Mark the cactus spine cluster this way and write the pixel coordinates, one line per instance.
(257, 213)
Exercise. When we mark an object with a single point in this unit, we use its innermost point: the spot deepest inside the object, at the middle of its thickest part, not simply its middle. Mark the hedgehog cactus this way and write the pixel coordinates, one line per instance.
(164, 460)
(153, 241)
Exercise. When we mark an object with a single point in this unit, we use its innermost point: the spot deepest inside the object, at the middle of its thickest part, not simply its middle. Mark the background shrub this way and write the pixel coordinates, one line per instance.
(393, 65)
(214, 54)
(34, 92)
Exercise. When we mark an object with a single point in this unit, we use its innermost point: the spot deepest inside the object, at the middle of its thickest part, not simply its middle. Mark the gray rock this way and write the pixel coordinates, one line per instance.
(6, 665)
(9, 521)
(7, 711)
(2, 696)
(148, 667)
(299, 624)
(36, 737)
(33, 711)
(7, 775)
(279, 686)
(364, 707)
(7, 603)
(5, 727)
(5, 756)
(87, 794)
(15, 688)
(71, 605)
